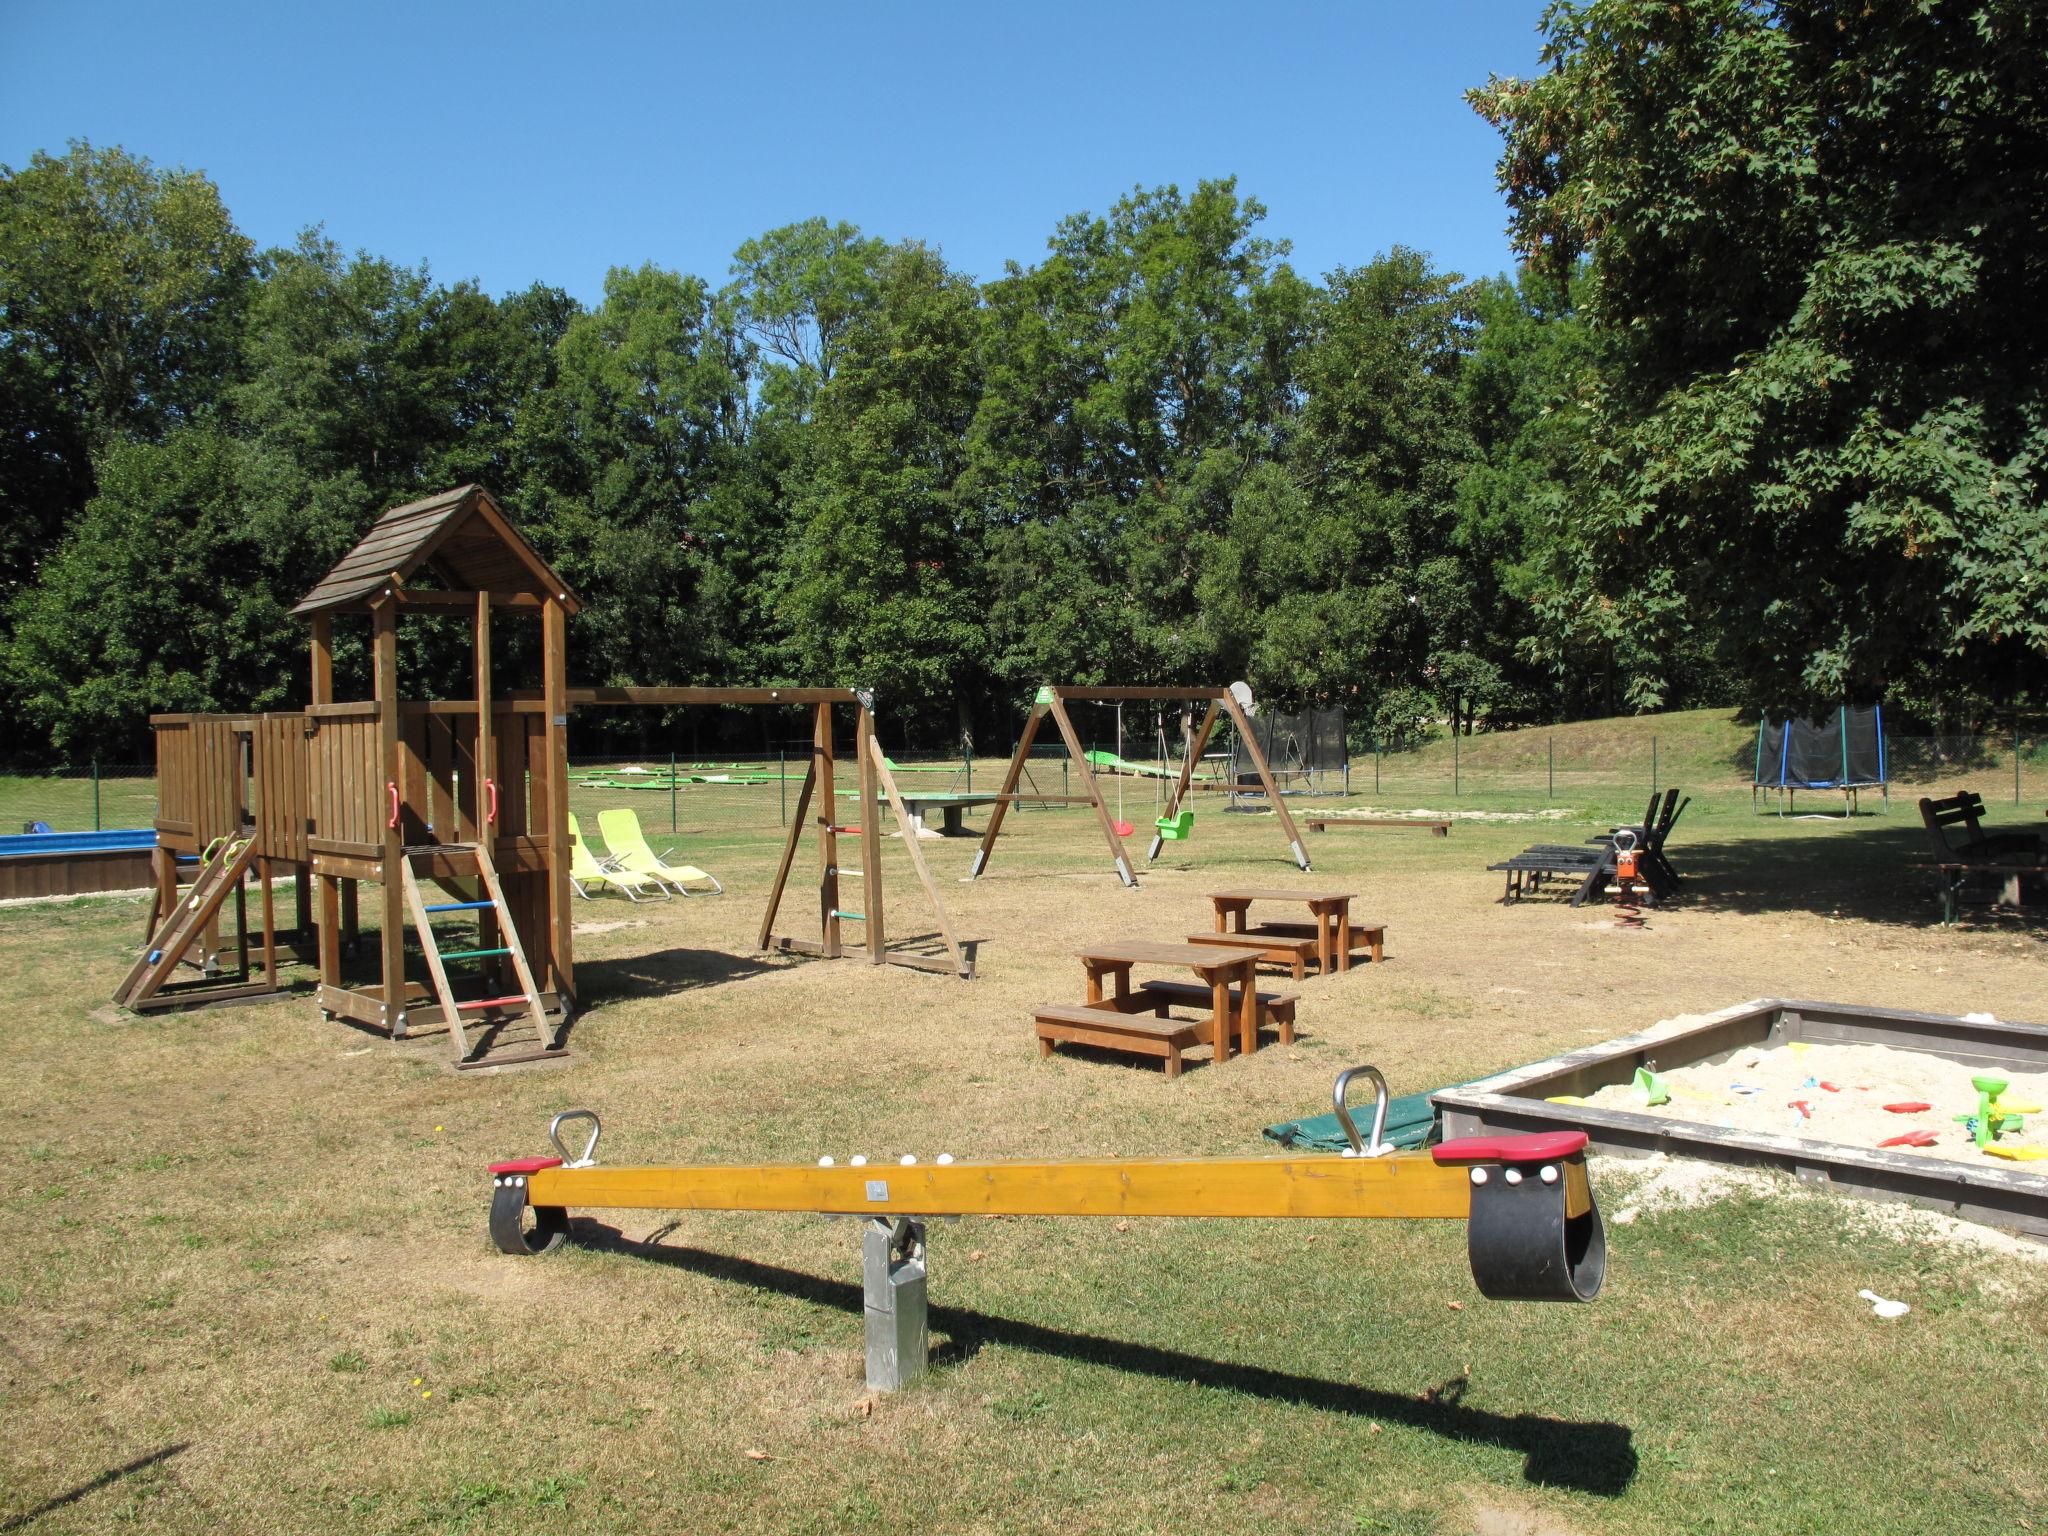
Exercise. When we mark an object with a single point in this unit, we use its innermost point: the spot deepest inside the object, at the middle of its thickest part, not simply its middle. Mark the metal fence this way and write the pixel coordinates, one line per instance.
(1542, 764)
(95, 797)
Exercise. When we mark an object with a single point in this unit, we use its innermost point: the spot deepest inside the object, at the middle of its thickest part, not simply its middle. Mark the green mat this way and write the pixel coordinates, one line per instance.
(1411, 1122)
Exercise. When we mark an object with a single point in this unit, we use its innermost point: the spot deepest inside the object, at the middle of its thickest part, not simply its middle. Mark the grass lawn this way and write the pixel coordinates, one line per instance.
(250, 1287)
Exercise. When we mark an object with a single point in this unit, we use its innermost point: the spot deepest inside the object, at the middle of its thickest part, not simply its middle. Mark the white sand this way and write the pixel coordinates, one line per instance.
(1865, 1079)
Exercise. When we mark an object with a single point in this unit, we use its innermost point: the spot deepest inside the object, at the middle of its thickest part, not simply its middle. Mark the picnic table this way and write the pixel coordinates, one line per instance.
(1329, 938)
(1119, 1020)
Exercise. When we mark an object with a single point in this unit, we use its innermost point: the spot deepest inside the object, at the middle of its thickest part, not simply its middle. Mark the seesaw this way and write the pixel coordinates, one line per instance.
(1533, 1232)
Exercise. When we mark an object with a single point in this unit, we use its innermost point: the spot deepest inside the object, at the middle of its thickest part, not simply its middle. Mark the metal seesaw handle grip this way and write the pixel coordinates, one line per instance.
(1338, 1093)
(569, 1160)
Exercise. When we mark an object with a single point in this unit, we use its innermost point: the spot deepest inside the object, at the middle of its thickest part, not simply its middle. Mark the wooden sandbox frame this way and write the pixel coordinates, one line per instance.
(1999, 1196)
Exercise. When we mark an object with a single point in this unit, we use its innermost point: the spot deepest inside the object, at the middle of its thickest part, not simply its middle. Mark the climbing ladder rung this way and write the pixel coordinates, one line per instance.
(460, 906)
(471, 954)
(492, 1002)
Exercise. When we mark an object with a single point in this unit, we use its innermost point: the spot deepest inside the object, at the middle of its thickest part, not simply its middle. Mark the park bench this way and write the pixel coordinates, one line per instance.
(1276, 1006)
(1104, 1025)
(1965, 854)
(1294, 944)
(1593, 863)
(1324, 823)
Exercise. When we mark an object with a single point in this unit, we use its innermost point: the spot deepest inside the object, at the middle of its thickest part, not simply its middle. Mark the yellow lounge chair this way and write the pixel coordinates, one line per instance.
(630, 852)
(585, 871)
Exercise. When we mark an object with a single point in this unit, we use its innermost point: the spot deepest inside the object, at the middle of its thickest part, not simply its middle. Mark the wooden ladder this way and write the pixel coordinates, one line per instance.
(496, 1011)
(220, 876)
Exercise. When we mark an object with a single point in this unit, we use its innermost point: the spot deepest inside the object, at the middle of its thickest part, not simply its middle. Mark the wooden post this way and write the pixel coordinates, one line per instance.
(1092, 790)
(554, 623)
(868, 752)
(789, 847)
(1258, 756)
(330, 931)
(323, 658)
(828, 837)
(1011, 776)
(907, 829)
(391, 937)
(1195, 746)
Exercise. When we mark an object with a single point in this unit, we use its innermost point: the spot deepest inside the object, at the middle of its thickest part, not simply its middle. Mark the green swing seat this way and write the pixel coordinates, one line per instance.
(1174, 829)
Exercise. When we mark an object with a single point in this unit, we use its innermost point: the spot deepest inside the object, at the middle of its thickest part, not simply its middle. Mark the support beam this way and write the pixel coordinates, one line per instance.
(1086, 774)
(1258, 756)
(581, 698)
(868, 759)
(391, 937)
(554, 623)
(907, 830)
(797, 823)
(1011, 776)
(828, 835)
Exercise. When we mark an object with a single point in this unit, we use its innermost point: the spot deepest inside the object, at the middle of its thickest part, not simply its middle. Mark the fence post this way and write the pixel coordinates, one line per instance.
(1454, 758)
(1375, 768)
(672, 793)
(968, 753)
(2015, 772)
(2015, 780)
(1653, 765)
(782, 785)
(1550, 741)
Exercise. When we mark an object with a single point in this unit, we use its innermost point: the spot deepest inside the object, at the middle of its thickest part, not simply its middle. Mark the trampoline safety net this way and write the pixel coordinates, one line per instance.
(1844, 750)
(1306, 751)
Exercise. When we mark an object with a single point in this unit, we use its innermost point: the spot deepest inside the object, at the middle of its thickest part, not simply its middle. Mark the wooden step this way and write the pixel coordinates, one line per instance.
(1370, 936)
(1108, 1029)
(1274, 1007)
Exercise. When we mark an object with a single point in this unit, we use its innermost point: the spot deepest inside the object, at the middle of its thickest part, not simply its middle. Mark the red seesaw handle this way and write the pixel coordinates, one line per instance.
(491, 789)
(392, 786)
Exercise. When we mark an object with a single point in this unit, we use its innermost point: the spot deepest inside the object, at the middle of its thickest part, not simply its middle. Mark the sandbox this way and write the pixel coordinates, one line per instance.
(1700, 1122)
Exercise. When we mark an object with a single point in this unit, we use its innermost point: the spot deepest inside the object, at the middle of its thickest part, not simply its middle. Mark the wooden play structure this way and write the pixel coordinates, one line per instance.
(1533, 1230)
(1051, 703)
(455, 809)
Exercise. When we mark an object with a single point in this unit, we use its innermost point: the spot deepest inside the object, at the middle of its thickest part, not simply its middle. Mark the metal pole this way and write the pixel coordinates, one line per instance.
(782, 785)
(1375, 769)
(672, 793)
(1653, 765)
(1551, 742)
(968, 753)
(2015, 780)
(1454, 758)
(2015, 771)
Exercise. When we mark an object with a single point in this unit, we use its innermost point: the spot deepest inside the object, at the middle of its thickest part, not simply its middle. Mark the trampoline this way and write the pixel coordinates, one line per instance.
(1843, 751)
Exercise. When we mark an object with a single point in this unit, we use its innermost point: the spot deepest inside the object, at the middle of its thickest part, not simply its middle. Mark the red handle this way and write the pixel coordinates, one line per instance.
(392, 787)
(491, 789)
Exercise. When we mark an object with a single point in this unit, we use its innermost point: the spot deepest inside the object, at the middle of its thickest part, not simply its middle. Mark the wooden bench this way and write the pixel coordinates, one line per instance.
(1278, 1007)
(1965, 854)
(1324, 823)
(1296, 951)
(1366, 938)
(1140, 1034)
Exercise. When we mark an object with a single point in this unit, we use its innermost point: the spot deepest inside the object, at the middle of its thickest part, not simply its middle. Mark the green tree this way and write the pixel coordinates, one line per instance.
(1814, 232)
(884, 584)
(120, 286)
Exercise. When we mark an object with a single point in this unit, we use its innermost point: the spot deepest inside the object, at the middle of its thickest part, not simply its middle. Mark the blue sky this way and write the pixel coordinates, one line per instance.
(517, 142)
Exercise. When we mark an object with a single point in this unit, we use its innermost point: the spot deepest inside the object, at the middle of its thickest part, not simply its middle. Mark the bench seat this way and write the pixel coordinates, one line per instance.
(1366, 937)
(1276, 1007)
(1324, 823)
(1106, 1027)
(1290, 950)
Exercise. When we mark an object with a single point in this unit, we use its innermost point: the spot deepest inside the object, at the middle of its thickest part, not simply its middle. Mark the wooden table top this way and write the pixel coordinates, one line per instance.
(1284, 893)
(1200, 957)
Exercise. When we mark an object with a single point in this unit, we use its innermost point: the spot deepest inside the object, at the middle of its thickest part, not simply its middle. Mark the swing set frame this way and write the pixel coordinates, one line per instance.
(1051, 702)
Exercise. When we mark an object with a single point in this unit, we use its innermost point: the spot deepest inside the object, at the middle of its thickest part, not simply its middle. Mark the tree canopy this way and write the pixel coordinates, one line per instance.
(1760, 420)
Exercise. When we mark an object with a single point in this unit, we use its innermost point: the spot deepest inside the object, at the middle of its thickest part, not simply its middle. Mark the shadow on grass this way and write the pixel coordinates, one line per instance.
(662, 972)
(1855, 870)
(1596, 1458)
(105, 1480)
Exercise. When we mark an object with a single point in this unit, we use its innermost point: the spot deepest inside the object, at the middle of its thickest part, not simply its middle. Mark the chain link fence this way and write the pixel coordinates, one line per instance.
(94, 797)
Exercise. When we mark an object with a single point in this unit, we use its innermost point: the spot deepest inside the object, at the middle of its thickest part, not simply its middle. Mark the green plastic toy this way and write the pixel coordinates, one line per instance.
(1175, 828)
(1651, 1086)
(1990, 1122)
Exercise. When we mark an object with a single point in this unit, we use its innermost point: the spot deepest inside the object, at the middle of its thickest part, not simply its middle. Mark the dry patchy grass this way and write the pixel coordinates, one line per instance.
(249, 1287)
